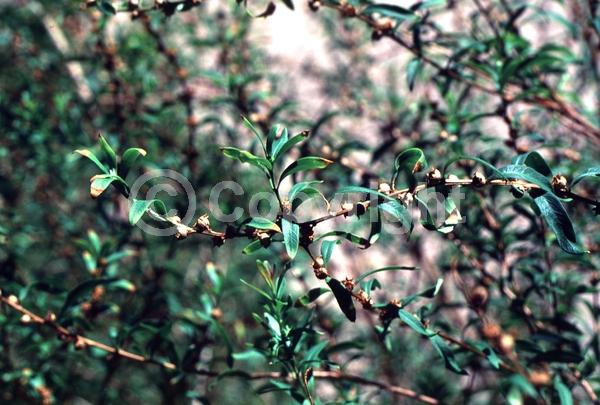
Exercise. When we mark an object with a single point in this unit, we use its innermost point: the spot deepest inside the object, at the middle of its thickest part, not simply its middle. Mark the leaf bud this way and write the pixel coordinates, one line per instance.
(202, 223)
(321, 273)
(560, 185)
(478, 297)
(434, 177)
(479, 179)
(384, 188)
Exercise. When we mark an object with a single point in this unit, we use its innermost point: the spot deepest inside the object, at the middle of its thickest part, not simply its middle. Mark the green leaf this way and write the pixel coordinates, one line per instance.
(139, 207)
(106, 7)
(447, 354)
(304, 187)
(361, 242)
(289, 4)
(305, 164)
(387, 268)
(128, 159)
(344, 298)
(255, 288)
(108, 150)
(375, 231)
(90, 155)
(247, 157)
(310, 296)
(281, 147)
(252, 247)
(291, 237)
(388, 10)
(263, 223)
(99, 183)
(327, 249)
(272, 324)
(399, 211)
(535, 161)
(413, 322)
(490, 354)
(427, 293)
(414, 67)
(591, 172)
(564, 393)
(255, 131)
(272, 143)
(527, 174)
(409, 162)
(95, 242)
(302, 192)
(559, 222)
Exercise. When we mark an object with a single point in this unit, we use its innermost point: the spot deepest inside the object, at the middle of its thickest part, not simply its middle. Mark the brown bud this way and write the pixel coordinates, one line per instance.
(98, 293)
(286, 206)
(318, 263)
(361, 208)
(321, 273)
(434, 177)
(265, 239)
(376, 35)
(560, 184)
(348, 10)
(347, 206)
(218, 241)
(506, 343)
(491, 331)
(539, 378)
(193, 121)
(50, 317)
(182, 73)
(202, 223)
(384, 188)
(478, 296)
(80, 343)
(230, 232)
(364, 299)
(348, 283)
(216, 313)
(314, 5)
(85, 307)
(479, 179)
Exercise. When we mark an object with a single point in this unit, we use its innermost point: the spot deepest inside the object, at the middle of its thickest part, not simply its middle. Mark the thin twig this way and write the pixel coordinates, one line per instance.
(81, 342)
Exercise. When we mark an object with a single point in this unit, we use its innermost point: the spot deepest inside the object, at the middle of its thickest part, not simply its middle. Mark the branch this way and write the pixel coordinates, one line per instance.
(81, 342)
(553, 103)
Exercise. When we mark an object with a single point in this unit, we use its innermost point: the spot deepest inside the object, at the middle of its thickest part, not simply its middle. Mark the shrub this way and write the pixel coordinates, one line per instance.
(263, 229)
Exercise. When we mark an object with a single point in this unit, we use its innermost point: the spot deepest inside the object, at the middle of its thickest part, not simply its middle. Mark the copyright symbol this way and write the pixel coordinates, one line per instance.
(164, 181)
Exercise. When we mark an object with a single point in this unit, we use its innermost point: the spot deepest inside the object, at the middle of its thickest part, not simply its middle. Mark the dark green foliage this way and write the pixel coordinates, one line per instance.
(426, 228)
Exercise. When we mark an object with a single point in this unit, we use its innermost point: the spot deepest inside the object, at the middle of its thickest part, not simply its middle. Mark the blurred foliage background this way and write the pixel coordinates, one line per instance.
(485, 78)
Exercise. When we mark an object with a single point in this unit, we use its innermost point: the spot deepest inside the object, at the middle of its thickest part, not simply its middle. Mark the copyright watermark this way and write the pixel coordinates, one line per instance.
(440, 209)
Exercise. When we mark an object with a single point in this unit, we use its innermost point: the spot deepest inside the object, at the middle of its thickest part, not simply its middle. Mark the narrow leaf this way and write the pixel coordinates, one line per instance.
(263, 223)
(291, 237)
(344, 298)
(559, 222)
(90, 155)
(305, 164)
